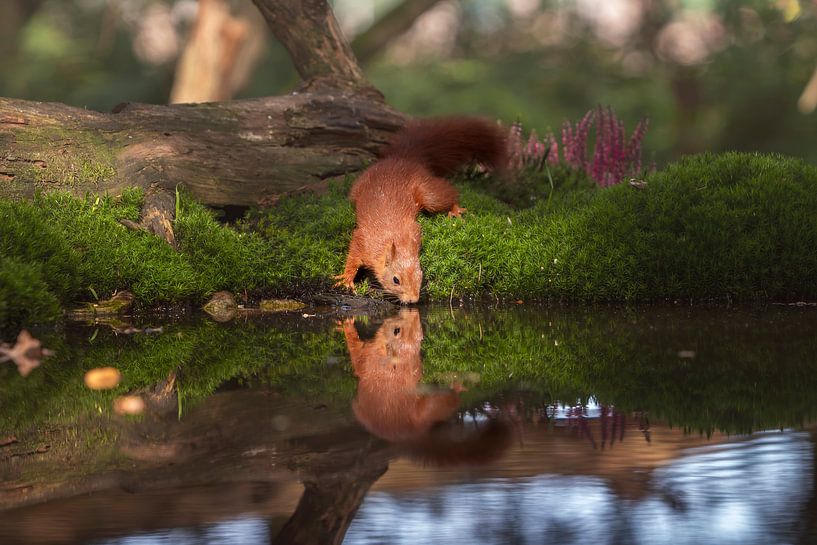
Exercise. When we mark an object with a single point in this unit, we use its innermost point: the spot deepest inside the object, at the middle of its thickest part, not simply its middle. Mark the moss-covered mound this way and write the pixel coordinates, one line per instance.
(723, 226)
(63, 250)
(710, 227)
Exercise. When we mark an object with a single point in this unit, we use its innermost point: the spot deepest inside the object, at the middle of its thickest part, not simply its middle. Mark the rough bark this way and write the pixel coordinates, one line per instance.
(232, 153)
(229, 441)
(309, 31)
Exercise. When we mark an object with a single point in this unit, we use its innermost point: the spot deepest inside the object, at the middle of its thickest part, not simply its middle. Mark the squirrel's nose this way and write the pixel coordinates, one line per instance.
(407, 298)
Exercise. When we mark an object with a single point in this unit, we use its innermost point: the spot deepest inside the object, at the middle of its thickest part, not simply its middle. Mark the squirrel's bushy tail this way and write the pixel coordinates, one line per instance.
(446, 143)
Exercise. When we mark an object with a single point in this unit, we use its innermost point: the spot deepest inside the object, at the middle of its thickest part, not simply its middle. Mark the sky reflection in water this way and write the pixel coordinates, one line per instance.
(748, 492)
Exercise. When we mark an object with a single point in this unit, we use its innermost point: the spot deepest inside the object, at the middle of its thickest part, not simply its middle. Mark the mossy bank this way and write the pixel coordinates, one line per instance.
(720, 227)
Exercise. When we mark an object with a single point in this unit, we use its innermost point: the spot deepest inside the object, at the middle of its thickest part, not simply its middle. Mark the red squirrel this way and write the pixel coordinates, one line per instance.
(408, 179)
(389, 368)
(391, 403)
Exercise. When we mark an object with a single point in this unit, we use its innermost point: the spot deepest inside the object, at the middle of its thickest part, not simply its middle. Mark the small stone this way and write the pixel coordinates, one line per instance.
(280, 422)
(686, 354)
(221, 307)
(280, 305)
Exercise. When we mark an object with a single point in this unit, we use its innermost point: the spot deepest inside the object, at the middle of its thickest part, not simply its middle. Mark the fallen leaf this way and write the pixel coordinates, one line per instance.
(103, 378)
(129, 405)
(26, 353)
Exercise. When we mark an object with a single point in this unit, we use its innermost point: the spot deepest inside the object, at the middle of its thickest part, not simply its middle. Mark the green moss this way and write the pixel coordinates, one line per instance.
(223, 257)
(711, 227)
(729, 226)
(114, 257)
(92, 157)
(27, 235)
(310, 235)
(24, 297)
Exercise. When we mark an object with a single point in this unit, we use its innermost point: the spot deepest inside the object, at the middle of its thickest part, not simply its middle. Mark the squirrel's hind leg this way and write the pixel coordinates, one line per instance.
(438, 195)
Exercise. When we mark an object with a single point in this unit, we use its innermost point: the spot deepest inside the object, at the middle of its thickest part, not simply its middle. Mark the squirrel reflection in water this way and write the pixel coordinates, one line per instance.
(393, 404)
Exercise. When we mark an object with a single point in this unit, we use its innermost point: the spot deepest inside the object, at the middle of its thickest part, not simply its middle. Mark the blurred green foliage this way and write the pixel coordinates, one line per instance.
(542, 68)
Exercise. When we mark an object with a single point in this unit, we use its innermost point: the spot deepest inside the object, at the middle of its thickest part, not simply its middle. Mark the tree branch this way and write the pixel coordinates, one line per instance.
(397, 21)
(231, 153)
(309, 31)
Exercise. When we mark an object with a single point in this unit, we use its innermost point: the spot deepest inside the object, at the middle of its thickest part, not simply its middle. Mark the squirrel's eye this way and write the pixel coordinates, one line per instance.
(396, 280)
(396, 331)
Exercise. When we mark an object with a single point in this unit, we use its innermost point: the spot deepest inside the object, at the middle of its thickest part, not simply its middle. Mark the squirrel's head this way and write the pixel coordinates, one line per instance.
(401, 274)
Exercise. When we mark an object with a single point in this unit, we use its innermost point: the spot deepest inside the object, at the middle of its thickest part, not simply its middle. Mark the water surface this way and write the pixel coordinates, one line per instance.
(518, 424)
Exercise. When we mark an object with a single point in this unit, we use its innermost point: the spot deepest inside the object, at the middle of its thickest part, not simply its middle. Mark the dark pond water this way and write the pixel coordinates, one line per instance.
(512, 425)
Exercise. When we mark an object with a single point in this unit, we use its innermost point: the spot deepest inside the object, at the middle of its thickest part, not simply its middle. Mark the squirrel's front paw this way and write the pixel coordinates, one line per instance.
(343, 281)
(345, 324)
(456, 211)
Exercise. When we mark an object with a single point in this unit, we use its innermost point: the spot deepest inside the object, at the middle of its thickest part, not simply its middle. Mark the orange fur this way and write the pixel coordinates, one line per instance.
(391, 404)
(390, 194)
(389, 368)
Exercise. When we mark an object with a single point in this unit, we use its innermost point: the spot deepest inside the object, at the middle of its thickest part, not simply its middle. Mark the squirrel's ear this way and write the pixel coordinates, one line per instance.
(391, 253)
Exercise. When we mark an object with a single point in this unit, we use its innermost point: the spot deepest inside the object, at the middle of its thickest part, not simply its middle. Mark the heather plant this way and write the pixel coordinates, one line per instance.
(614, 157)
(532, 153)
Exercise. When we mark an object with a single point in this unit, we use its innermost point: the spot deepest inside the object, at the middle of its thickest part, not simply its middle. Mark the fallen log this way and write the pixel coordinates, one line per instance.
(240, 153)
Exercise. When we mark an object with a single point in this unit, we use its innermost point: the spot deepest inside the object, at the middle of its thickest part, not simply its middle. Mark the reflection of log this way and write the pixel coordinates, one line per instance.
(232, 437)
(335, 483)
(235, 437)
(234, 153)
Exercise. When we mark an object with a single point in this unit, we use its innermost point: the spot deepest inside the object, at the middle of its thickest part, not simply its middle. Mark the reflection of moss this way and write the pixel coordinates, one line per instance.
(748, 372)
(205, 357)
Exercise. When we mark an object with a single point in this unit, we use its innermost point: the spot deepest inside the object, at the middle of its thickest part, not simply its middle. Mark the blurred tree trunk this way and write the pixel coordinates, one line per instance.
(220, 55)
(13, 16)
(230, 153)
(684, 81)
(808, 98)
(374, 40)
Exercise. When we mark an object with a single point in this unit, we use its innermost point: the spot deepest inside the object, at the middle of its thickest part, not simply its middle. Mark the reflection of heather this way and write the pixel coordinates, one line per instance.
(614, 157)
(577, 418)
